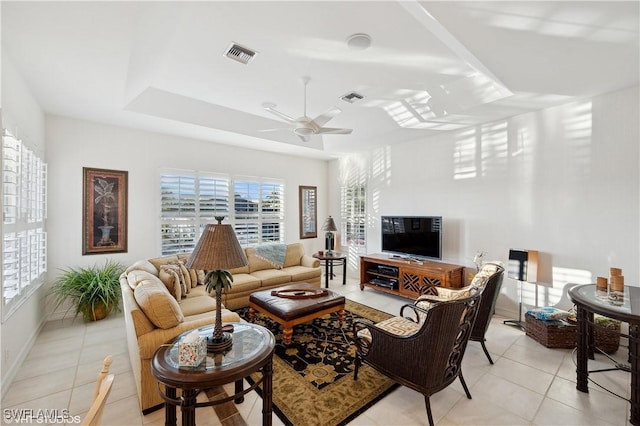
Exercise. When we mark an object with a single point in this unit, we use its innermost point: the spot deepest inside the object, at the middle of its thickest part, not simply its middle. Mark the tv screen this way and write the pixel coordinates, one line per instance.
(414, 236)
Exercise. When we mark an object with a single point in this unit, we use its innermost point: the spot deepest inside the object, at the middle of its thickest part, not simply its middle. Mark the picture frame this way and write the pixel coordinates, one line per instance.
(308, 211)
(104, 212)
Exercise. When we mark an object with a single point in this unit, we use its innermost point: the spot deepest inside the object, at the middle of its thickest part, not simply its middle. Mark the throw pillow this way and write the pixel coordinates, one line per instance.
(142, 265)
(157, 304)
(186, 275)
(201, 276)
(169, 277)
(136, 276)
(176, 267)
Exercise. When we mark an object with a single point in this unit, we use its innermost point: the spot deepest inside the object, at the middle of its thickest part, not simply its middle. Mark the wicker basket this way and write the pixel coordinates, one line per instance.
(562, 334)
(552, 334)
(607, 334)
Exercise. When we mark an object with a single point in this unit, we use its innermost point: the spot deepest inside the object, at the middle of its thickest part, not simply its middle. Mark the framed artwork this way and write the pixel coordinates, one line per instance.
(104, 212)
(308, 211)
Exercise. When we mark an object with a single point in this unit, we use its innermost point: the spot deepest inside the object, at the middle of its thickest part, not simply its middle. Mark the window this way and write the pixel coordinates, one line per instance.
(188, 203)
(24, 260)
(190, 200)
(258, 211)
(354, 216)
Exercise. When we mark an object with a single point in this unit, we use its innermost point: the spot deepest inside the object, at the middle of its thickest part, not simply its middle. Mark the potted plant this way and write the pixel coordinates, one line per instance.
(94, 291)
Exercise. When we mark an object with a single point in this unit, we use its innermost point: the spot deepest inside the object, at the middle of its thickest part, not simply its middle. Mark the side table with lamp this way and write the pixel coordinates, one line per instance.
(217, 251)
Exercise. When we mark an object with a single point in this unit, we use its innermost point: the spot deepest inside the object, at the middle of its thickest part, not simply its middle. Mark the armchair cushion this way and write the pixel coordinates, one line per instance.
(399, 326)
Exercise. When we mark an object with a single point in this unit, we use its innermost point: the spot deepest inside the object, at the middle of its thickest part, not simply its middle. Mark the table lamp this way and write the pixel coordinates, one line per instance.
(330, 227)
(217, 251)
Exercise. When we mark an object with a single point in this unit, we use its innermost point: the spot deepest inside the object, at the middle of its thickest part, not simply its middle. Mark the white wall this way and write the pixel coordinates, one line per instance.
(23, 116)
(563, 181)
(75, 144)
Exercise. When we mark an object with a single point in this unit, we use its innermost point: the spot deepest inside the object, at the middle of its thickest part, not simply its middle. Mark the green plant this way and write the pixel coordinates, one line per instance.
(93, 291)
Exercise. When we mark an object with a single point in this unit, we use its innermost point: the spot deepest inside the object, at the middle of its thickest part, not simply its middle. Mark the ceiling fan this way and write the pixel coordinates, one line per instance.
(304, 127)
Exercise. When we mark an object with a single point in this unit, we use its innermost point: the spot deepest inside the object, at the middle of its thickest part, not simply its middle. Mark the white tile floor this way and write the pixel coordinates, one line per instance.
(528, 384)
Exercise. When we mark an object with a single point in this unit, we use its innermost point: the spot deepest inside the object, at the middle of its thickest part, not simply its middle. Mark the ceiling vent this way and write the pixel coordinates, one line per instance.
(352, 97)
(240, 53)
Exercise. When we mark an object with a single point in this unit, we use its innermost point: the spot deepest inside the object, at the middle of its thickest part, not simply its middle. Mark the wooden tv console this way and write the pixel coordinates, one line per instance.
(378, 271)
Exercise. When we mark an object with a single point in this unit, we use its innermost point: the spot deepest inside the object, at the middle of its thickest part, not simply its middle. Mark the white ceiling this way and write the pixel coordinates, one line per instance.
(431, 67)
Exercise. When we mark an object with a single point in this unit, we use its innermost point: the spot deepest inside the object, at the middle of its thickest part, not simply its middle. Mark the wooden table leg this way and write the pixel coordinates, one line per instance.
(170, 409)
(288, 333)
(267, 392)
(189, 407)
(239, 388)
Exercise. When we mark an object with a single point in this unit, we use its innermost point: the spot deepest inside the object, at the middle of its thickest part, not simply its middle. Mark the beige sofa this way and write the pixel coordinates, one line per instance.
(162, 299)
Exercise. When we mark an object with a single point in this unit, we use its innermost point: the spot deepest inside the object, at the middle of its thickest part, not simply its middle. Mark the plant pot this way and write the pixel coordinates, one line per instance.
(99, 311)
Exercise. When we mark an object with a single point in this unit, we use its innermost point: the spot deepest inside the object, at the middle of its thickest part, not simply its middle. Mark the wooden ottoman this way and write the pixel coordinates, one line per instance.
(295, 304)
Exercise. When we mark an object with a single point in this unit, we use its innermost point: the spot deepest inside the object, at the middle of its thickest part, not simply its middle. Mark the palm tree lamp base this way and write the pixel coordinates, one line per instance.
(219, 345)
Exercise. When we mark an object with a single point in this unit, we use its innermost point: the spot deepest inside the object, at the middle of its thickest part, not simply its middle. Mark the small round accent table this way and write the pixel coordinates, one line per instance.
(584, 297)
(252, 351)
(328, 260)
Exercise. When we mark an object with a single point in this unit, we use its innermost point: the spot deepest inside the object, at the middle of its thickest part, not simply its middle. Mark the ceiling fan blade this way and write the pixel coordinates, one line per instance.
(334, 131)
(323, 118)
(282, 115)
(304, 138)
(278, 129)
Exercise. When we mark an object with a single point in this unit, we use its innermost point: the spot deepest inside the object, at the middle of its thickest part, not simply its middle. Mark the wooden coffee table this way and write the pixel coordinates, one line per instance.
(295, 304)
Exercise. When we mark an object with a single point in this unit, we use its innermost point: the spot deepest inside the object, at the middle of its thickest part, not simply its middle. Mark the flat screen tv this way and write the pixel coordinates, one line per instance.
(412, 236)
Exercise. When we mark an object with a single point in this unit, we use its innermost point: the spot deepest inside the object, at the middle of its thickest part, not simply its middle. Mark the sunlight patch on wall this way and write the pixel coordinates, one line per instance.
(494, 148)
(578, 130)
(464, 155)
(381, 165)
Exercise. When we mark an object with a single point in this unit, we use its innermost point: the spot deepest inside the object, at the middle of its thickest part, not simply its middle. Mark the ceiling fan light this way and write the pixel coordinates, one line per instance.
(303, 131)
(359, 41)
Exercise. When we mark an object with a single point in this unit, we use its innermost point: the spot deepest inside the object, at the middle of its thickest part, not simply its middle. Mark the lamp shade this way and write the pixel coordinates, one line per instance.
(329, 225)
(217, 249)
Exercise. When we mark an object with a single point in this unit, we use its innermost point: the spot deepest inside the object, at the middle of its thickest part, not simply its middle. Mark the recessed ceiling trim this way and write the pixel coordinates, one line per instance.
(239, 53)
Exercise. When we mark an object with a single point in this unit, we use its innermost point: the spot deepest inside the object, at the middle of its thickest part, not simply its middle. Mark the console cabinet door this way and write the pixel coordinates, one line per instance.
(412, 279)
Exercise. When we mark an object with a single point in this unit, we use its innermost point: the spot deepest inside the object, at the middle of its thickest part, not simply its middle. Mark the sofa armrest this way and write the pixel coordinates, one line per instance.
(309, 261)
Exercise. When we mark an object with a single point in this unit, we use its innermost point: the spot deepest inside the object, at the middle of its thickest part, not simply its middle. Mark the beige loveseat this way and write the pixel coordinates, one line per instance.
(162, 299)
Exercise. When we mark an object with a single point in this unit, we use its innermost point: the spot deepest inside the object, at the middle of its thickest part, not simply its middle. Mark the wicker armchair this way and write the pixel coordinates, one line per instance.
(422, 350)
(489, 279)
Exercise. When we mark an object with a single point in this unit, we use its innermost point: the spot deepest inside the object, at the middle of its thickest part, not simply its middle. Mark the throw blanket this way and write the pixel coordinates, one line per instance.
(272, 253)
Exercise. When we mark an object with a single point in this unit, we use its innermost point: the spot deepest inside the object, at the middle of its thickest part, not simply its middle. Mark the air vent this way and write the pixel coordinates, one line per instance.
(352, 97)
(240, 53)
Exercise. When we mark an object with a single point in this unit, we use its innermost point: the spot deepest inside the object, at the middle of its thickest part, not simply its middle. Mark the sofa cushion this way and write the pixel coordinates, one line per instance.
(271, 277)
(169, 277)
(163, 260)
(142, 265)
(157, 304)
(256, 263)
(302, 273)
(295, 252)
(197, 305)
(241, 270)
(136, 276)
(244, 282)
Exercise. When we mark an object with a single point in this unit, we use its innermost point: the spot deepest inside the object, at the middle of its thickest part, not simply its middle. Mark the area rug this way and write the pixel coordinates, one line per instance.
(313, 376)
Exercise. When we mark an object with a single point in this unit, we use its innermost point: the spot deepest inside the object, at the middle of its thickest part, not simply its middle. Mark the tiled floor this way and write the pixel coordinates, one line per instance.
(528, 384)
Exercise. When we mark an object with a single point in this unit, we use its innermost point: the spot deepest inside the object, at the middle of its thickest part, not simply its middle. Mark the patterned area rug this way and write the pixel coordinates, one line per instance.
(313, 376)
